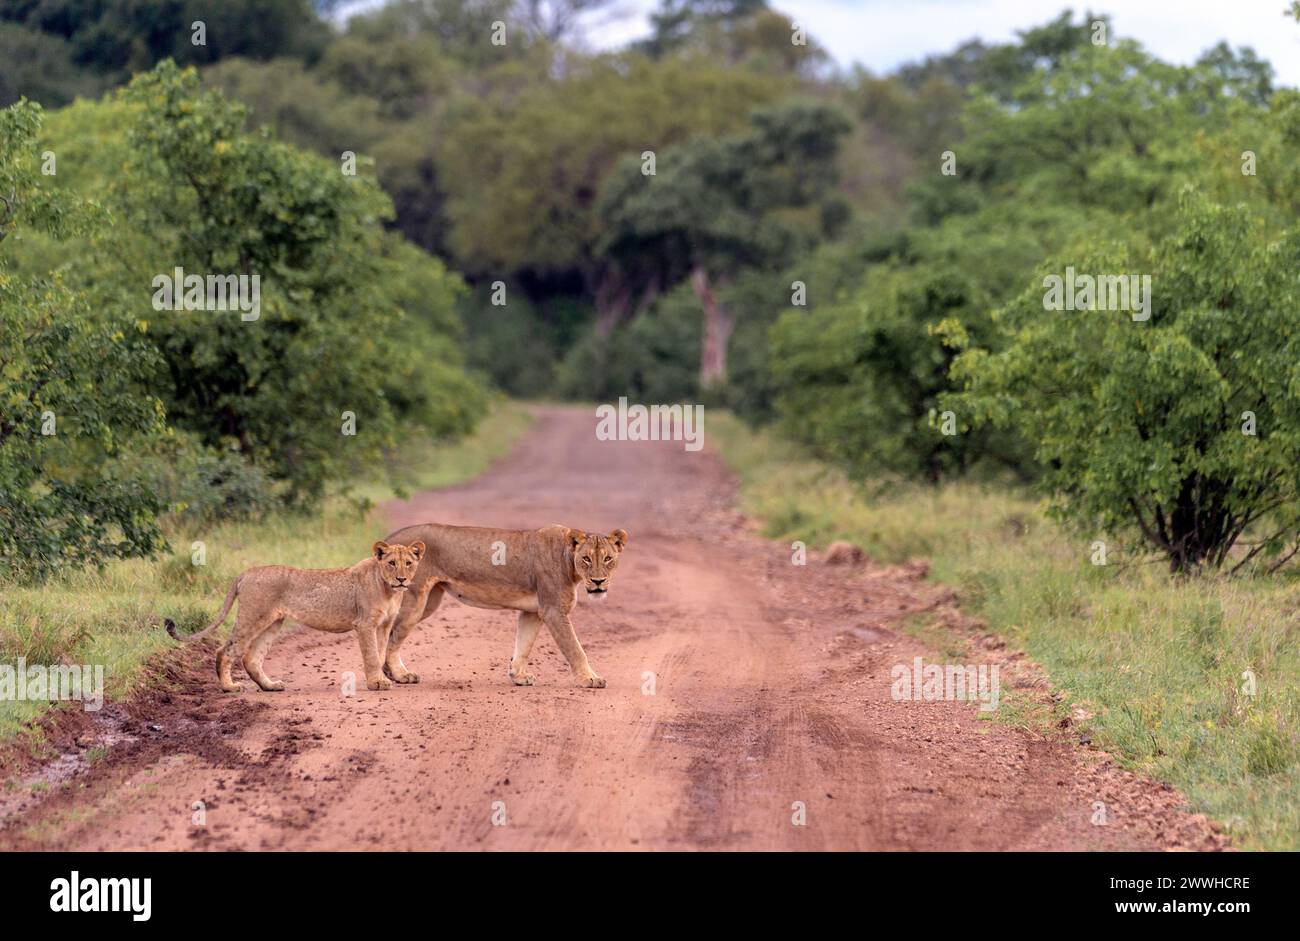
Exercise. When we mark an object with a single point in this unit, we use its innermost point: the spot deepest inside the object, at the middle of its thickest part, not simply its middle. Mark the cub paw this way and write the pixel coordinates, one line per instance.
(522, 679)
(232, 688)
(592, 682)
(274, 686)
(382, 683)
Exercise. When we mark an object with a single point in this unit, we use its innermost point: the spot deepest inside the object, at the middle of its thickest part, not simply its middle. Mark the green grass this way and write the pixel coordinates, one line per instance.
(1158, 662)
(114, 616)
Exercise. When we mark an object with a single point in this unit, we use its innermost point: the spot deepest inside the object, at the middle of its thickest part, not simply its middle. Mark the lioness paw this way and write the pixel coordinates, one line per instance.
(523, 679)
(404, 676)
(592, 682)
(382, 683)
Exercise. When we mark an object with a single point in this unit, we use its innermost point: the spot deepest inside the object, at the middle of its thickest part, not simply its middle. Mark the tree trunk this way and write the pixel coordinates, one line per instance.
(613, 297)
(718, 324)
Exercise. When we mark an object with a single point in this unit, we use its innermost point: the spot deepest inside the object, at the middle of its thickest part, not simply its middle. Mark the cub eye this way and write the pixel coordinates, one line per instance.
(609, 560)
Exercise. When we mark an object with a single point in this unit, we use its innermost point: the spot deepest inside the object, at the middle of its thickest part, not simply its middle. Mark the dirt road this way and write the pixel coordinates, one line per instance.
(741, 689)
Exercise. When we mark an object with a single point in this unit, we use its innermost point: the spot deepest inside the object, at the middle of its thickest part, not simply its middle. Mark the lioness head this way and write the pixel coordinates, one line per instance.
(397, 563)
(595, 558)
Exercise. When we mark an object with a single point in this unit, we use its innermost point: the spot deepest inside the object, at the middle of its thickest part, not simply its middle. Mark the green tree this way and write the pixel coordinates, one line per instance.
(522, 170)
(1096, 138)
(346, 310)
(40, 67)
(304, 107)
(71, 394)
(718, 206)
(118, 37)
(744, 33)
(859, 375)
(676, 21)
(463, 29)
(1183, 428)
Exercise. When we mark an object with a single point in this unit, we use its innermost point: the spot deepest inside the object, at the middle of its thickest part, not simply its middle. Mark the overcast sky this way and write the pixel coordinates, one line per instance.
(882, 34)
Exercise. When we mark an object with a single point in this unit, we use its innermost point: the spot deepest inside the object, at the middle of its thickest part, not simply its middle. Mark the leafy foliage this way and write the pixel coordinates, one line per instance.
(117, 37)
(521, 165)
(1183, 428)
(748, 200)
(70, 397)
(1086, 139)
(224, 417)
(341, 327)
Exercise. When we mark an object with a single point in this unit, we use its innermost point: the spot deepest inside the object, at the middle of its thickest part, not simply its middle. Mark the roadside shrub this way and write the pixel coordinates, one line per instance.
(202, 486)
(1183, 429)
(70, 397)
(351, 321)
(859, 377)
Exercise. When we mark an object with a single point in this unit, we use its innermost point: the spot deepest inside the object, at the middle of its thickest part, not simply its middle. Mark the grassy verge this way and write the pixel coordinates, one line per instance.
(1157, 663)
(113, 617)
(427, 465)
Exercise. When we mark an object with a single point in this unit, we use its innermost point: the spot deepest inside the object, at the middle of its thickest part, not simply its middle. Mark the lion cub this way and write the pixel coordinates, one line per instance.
(364, 598)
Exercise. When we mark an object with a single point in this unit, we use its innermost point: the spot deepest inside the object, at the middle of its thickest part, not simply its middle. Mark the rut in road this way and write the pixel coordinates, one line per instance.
(748, 707)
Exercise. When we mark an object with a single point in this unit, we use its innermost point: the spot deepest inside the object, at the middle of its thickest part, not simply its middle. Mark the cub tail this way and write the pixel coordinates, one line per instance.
(225, 609)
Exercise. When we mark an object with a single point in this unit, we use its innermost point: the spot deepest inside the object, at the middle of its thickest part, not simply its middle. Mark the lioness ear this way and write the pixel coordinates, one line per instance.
(575, 538)
(379, 548)
(417, 550)
(619, 538)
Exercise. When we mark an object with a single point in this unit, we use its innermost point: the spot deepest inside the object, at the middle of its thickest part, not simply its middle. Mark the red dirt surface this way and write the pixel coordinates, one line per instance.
(771, 686)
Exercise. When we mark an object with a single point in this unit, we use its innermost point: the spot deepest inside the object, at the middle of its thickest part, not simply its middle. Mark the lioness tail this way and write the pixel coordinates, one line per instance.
(225, 609)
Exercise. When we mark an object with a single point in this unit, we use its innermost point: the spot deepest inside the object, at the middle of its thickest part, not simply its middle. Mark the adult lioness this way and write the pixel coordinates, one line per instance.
(365, 598)
(534, 572)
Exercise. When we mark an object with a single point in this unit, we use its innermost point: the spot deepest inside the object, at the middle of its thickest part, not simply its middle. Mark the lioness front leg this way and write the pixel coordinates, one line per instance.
(415, 608)
(367, 636)
(530, 623)
(561, 628)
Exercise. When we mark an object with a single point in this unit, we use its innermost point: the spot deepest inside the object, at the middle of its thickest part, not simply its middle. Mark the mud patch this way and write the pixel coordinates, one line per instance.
(175, 711)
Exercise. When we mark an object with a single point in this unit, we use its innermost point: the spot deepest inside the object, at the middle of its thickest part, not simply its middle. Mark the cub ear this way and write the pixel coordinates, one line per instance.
(619, 538)
(574, 538)
(379, 549)
(417, 550)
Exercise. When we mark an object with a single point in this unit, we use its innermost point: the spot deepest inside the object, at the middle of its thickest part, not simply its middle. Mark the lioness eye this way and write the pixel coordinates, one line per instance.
(608, 560)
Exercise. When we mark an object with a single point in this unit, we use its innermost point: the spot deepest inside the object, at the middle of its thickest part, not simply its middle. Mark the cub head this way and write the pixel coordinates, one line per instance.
(397, 563)
(595, 558)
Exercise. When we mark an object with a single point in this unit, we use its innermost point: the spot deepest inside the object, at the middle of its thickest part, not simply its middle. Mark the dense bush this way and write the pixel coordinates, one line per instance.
(1183, 429)
(352, 319)
(71, 392)
(357, 339)
(1095, 140)
(199, 486)
(39, 66)
(115, 37)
